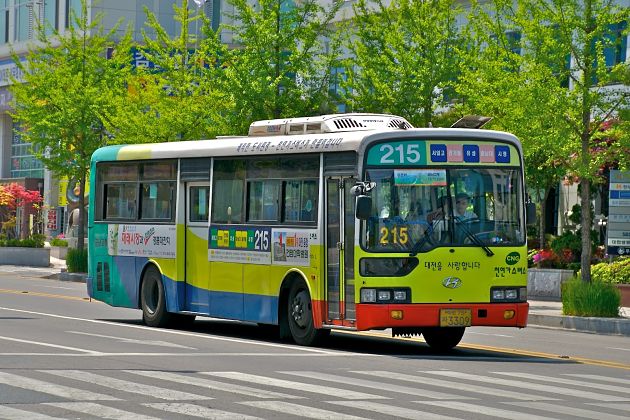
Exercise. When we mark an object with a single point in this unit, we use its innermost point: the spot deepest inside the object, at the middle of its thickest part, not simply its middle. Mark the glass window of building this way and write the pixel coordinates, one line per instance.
(4, 21)
(23, 163)
(51, 16)
(23, 19)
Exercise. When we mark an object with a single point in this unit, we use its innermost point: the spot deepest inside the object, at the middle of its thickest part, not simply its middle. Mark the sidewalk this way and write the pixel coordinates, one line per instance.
(549, 314)
(541, 313)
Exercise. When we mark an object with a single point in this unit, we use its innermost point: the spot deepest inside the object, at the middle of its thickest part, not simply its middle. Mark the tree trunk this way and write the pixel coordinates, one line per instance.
(541, 222)
(82, 215)
(585, 202)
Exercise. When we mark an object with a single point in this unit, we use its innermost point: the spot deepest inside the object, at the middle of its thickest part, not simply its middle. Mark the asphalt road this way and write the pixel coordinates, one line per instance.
(64, 356)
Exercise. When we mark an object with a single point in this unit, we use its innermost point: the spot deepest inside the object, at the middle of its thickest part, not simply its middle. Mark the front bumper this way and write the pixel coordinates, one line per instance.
(374, 316)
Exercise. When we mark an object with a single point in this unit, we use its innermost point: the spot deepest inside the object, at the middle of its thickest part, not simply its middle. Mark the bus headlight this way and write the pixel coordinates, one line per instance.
(384, 295)
(368, 295)
(400, 295)
(508, 294)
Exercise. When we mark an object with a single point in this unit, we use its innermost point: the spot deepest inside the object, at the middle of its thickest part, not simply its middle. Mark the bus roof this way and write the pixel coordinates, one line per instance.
(291, 144)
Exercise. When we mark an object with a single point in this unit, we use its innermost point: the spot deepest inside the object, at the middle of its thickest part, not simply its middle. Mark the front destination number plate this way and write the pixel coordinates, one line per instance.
(455, 317)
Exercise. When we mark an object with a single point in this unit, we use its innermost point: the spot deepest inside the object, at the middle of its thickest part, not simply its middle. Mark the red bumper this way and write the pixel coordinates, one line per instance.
(372, 316)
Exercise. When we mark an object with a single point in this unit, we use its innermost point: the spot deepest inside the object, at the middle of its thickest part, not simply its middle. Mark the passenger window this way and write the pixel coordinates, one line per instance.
(198, 204)
(156, 201)
(228, 191)
(300, 201)
(263, 200)
(120, 201)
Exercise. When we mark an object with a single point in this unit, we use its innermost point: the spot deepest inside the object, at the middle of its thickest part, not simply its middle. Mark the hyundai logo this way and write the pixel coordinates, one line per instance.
(452, 282)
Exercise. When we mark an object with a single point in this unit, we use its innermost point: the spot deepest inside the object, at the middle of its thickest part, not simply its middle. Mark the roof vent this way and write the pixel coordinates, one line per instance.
(327, 124)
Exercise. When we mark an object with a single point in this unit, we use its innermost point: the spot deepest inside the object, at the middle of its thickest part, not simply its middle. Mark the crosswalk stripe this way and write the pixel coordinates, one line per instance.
(210, 384)
(391, 410)
(567, 410)
(377, 385)
(483, 410)
(52, 389)
(527, 385)
(600, 378)
(194, 410)
(295, 386)
(126, 386)
(17, 414)
(450, 384)
(564, 381)
(616, 406)
(300, 410)
(101, 411)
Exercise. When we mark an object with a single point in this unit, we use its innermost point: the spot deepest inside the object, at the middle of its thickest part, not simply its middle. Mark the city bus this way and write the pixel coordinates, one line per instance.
(339, 222)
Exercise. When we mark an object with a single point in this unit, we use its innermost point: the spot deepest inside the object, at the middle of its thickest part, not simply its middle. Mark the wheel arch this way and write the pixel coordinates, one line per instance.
(295, 275)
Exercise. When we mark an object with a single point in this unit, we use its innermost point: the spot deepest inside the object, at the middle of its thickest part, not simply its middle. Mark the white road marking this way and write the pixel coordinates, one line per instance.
(133, 341)
(100, 411)
(7, 412)
(210, 384)
(483, 410)
(56, 346)
(300, 410)
(563, 381)
(568, 410)
(362, 383)
(299, 386)
(198, 411)
(189, 334)
(488, 334)
(391, 410)
(527, 385)
(204, 354)
(126, 386)
(600, 378)
(450, 385)
(616, 406)
(618, 348)
(52, 389)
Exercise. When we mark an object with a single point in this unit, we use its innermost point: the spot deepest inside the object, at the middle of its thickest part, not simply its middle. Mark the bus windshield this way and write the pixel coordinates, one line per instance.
(417, 210)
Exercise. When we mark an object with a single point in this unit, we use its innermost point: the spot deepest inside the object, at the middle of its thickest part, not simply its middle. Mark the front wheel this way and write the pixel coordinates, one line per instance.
(443, 339)
(300, 317)
(153, 299)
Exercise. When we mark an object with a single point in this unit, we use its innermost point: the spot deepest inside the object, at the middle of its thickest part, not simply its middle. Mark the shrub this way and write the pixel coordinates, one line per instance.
(76, 260)
(590, 299)
(58, 242)
(616, 272)
(35, 241)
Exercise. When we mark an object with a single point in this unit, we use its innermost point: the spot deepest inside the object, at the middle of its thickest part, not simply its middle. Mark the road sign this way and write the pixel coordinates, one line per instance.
(618, 232)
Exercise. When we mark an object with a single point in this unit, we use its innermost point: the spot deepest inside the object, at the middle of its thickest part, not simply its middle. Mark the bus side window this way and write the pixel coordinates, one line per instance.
(228, 191)
(300, 200)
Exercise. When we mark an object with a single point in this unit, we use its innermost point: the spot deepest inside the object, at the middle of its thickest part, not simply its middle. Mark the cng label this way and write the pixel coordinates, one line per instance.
(512, 258)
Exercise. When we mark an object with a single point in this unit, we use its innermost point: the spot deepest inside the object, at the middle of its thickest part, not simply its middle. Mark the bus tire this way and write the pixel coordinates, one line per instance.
(153, 299)
(443, 339)
(300, 316)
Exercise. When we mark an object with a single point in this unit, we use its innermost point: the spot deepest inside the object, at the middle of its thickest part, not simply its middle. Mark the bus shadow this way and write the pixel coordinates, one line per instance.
(361, 343)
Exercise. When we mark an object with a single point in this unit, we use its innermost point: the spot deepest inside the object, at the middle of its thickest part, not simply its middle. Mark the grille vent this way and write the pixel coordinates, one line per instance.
(342, 123)
(396, 123)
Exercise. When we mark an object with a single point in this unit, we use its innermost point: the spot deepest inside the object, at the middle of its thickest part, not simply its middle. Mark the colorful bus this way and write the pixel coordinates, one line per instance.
(346, 221)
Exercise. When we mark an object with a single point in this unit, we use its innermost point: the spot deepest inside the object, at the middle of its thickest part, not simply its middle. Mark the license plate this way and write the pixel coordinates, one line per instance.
(455, 317)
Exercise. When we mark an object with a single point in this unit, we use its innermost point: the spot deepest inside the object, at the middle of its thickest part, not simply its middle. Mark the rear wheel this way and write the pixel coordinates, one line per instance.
(153, 299)
(443, 339)
(300, 317)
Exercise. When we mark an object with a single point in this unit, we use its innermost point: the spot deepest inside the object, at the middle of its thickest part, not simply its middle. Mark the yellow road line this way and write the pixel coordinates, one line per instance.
(517, 352)
(26, 292)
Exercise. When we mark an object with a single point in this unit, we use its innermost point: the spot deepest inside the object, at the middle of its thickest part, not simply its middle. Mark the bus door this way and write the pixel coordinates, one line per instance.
(340, 250)
(196, 252)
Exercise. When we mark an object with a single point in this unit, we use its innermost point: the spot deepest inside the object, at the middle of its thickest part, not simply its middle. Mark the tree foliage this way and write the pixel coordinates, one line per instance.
(279, 61)
(178, 96)
(404, 57)
(69, 82)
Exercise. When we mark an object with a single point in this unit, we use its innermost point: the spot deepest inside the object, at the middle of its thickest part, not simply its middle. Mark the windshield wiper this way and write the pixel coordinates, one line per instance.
(426, 236)
(470, 235)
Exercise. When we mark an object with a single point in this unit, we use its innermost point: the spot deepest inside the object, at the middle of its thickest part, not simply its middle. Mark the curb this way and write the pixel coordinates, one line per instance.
(65, 276)
(612, 326)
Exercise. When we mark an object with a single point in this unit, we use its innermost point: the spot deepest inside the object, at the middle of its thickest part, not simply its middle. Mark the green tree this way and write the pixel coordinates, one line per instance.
(68, 82)
(517, 83)
(570, 45)
(178, 98)
(279, 61)
(404, 58)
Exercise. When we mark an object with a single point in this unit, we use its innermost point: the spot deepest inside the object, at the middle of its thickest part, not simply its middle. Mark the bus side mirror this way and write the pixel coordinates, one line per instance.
(363, 207)
(530, 216)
